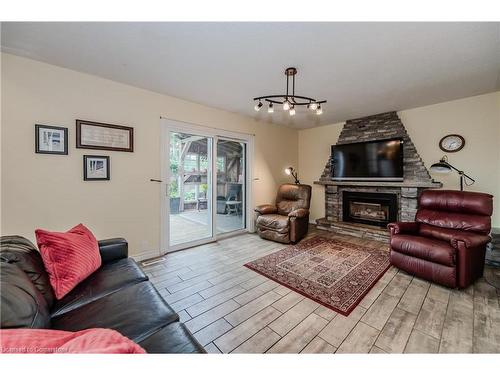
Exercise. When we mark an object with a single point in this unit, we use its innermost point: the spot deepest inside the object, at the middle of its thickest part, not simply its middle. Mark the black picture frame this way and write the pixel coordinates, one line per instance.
(86, 174)
(100, 125)
(39, 149)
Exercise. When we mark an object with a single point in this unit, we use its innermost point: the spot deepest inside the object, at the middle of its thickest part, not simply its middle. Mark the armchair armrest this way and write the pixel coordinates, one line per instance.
(299, 212)
(113, 249)
(469, 239)
(265, 209)
(403, 227)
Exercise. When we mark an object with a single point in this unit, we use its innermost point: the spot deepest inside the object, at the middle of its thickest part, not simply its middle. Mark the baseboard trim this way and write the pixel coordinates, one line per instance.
(145, 255)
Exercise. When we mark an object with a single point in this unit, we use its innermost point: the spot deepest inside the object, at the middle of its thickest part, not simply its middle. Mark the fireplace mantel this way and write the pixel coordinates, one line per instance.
(399, 184)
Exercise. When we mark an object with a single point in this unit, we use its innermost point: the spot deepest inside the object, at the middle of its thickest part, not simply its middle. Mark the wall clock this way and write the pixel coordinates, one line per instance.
(452, 143)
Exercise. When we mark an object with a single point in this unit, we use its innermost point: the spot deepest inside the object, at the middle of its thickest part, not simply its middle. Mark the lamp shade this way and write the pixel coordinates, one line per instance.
(440, 167)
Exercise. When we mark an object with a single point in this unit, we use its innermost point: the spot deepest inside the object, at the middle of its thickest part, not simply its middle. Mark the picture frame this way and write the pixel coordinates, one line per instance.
(101, 136)
(51, 140)
(96, 168)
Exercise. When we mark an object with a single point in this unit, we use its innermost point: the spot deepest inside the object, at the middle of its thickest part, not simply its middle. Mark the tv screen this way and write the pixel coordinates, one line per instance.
(375, 160)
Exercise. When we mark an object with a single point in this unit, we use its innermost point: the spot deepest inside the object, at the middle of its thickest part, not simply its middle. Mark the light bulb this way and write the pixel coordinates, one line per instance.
(258, 106)
(313, 106)
(319, 111)
(292, 111)
(270, 108)
(286, 105)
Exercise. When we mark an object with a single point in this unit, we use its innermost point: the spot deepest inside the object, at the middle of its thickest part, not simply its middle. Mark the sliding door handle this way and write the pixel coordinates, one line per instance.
(155, 180)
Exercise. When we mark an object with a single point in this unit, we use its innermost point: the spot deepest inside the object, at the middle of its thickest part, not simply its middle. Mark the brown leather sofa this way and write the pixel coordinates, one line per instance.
(287, 220)
(447, 242)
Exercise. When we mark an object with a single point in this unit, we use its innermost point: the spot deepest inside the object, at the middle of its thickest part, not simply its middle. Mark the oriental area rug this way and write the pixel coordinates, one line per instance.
(334, 273)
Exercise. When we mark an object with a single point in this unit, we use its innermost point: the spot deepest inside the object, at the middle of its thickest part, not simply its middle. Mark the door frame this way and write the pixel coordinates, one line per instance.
(170, 125)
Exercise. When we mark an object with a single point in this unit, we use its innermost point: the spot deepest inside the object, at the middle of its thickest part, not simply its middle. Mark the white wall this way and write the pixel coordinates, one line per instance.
(476, 118)
(48, 191)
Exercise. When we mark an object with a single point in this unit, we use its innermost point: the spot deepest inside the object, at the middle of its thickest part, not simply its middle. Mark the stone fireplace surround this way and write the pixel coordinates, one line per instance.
(416, 178)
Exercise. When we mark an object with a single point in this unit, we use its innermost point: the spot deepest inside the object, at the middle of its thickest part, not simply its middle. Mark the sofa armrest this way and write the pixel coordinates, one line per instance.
(401, 227)
(299, 212)
(113, 249)
(265, 209)
(470, 239)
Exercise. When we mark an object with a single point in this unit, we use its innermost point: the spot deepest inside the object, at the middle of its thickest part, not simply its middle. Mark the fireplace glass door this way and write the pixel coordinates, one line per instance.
(377, 209)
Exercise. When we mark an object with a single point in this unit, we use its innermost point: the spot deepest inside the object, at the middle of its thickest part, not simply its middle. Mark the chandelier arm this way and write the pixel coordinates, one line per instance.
(270, 98)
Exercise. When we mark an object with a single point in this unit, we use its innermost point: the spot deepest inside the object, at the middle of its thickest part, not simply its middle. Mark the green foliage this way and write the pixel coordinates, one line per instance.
(174, 189)
(189, 196)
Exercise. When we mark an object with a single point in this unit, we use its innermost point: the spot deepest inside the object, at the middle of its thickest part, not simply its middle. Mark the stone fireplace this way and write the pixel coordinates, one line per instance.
(363, 208)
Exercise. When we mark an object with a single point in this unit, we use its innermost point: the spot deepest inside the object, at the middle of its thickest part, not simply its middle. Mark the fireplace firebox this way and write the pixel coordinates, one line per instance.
(378, 209)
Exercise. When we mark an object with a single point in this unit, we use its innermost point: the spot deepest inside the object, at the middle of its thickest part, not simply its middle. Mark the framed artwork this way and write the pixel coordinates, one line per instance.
(99, 136)
(95, 168)
(51, 140)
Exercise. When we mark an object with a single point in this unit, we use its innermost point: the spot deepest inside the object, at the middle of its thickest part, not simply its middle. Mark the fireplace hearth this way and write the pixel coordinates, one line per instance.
(378, 209)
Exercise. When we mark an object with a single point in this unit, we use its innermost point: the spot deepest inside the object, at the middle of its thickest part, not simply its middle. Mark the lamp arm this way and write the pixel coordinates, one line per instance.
(460, 171)
(295, 175)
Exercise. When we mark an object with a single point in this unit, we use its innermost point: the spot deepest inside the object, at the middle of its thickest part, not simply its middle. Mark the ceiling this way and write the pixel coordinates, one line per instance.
(360, 68)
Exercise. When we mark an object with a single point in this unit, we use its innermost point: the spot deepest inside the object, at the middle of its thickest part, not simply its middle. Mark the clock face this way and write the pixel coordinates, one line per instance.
(452, 143)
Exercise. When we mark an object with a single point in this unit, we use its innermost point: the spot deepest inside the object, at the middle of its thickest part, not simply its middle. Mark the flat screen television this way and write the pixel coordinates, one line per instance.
(374, 160)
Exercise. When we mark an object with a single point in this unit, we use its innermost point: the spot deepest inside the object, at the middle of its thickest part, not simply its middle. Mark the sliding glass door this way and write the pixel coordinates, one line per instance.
(190, 188)
(205, 185)
(231, 178)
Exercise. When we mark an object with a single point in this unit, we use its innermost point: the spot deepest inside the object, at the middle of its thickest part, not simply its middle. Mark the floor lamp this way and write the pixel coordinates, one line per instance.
(444, 167)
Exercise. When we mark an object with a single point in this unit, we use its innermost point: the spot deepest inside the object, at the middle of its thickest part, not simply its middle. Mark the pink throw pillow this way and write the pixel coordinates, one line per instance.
(68, 257)
(46, 341)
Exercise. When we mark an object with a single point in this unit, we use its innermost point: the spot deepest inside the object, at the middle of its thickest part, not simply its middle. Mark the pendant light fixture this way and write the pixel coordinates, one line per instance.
(289, 100)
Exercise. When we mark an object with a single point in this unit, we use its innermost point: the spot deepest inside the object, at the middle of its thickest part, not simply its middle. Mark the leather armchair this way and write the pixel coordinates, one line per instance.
(447, 242)
(287, 220)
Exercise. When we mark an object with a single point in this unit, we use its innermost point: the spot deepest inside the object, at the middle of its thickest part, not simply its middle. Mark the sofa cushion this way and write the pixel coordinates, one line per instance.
(21, 252)
(68, 257)
(174, 338)
(424, 248)
(274, 222)
(109, 278)
(136, 312)
(48, 341)
(22, 305)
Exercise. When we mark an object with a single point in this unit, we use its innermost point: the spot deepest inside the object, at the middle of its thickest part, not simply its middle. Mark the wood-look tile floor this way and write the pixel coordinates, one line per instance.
(231, 309)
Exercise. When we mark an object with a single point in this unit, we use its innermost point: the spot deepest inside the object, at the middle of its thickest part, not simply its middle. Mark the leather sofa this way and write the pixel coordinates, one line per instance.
(287, 220)
(117, 296)
(447, 242)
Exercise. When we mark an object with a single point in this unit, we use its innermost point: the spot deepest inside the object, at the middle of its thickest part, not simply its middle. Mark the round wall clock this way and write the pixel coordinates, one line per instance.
(452, 143)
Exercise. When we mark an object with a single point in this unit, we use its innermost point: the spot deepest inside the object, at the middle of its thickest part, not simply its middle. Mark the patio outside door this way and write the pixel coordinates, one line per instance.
(205, 183)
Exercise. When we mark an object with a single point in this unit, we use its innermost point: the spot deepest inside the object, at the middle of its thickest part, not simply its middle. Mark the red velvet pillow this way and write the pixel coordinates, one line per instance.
(68, 257)
(46, 341)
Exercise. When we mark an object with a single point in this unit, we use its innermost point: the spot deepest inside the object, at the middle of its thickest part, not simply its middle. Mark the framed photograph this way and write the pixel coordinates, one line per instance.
(99, 136)
(95, 168)
(51, 140)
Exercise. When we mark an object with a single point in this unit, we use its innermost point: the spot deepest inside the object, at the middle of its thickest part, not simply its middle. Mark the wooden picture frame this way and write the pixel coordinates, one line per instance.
(101, 136)
(48, 140)
(96, 168)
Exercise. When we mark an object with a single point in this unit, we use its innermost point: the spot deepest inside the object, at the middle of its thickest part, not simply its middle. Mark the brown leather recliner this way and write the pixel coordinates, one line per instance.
(288, 220)
(447, 242)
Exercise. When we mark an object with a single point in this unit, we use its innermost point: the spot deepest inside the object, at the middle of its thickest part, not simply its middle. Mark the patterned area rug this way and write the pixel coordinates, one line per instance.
(334, 273)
